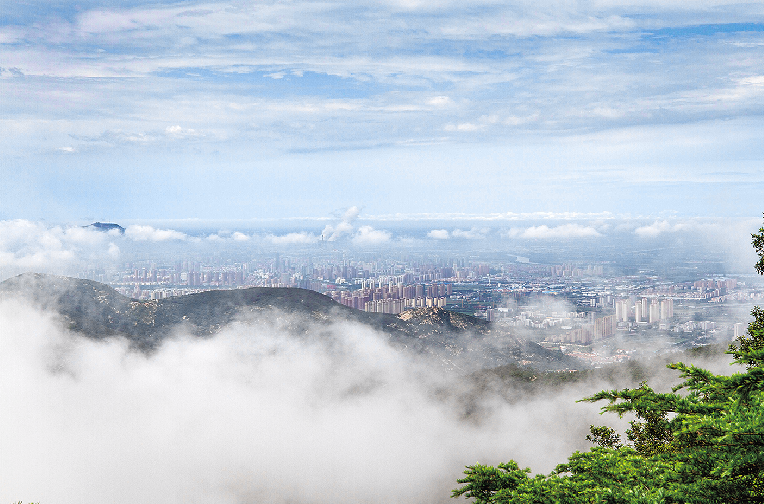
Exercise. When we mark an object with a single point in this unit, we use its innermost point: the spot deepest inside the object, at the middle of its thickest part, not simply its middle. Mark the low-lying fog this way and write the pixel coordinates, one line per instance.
(253, 415)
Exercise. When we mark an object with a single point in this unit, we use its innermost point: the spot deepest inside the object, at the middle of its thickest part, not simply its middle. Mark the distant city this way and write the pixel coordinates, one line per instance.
(573, 306)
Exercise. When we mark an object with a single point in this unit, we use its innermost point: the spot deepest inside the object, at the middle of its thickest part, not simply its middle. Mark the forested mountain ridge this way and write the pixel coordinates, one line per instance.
(97, 311)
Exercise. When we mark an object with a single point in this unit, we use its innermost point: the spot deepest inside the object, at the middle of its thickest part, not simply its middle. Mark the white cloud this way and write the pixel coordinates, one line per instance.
(655, 229)
(333, 232)
(223, 419)
(367, 235)
(34, 246)
(178, 132)
(301, 238)
(186, 79)
(239, 236)
(336, 231)
(439, 101)
(438, 234)
(148, 233)
(474, 233)
(113, 251)
(563, 231)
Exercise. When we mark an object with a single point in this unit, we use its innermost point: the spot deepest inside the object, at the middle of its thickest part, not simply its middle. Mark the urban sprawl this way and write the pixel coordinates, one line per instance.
(561, 304)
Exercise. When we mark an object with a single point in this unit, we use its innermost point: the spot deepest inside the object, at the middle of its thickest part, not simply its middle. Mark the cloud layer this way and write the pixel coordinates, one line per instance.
(33, 246)
(486, 71)
(184, 102)
(564, 231)
(69, 249)
(336, 416)
(148, 233)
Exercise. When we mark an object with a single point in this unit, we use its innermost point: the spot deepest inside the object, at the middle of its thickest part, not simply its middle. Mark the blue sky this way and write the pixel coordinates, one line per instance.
(272, 110)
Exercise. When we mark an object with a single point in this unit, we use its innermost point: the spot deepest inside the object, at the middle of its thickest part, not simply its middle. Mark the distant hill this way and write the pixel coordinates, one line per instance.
(106, 226)
(98, 311)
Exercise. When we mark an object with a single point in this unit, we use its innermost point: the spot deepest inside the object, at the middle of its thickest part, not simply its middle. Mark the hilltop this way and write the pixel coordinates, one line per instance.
(98, 311)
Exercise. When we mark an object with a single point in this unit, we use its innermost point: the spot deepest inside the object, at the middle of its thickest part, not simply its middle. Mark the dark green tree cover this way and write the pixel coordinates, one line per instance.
(703, 445)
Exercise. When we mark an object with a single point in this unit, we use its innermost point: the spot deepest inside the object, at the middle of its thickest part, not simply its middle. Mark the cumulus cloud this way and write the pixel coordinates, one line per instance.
(222, 237)
(474, 233)
(335, 416)
(367, 235)
(439, 101)
(149, 233)
(34, 246)
(657, 228)
(113, 251)
(438, 234)
(301, 238)
(333, 232)
(179, 132)
(563, 231)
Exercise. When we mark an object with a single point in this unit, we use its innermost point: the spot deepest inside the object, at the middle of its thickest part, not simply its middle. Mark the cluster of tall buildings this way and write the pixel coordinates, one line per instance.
(644, 310)
(187, 273)
(601, 328)
(396, 306)
(394, 298)
(572, 271)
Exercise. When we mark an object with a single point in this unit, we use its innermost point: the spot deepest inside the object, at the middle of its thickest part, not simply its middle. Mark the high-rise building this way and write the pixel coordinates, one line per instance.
(655, 312)
(622, 310)
(667, 309)
(604, 327)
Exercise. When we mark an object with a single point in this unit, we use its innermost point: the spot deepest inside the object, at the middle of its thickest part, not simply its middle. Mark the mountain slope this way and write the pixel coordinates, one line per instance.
(97, 311)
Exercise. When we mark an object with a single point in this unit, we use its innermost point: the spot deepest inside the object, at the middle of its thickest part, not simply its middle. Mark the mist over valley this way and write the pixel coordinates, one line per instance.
(381, 252)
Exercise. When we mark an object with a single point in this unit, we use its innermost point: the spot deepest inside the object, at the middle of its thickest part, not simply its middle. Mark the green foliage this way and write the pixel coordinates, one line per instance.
(758, 245)
(604, 437)
(650, 433)
(603, 475)
(703, 445)
(482, 482)
(754, 339)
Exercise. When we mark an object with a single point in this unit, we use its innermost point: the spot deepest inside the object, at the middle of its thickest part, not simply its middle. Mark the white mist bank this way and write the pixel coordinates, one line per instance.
(251, 415)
